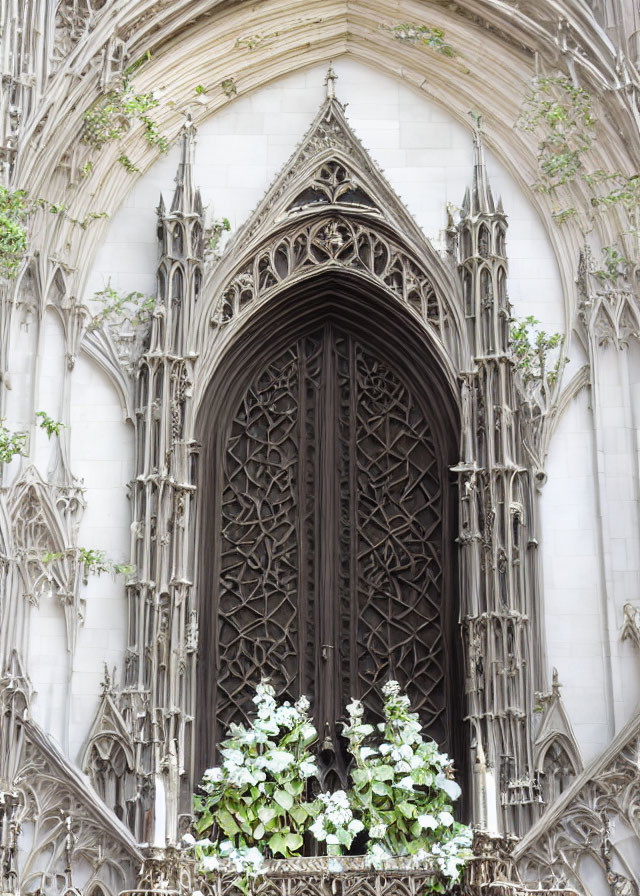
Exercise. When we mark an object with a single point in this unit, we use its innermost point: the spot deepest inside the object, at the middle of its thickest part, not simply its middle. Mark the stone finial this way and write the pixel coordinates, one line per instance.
(330, 82)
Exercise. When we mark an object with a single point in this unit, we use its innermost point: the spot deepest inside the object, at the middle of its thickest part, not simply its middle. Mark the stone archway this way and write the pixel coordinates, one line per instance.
(328, 516)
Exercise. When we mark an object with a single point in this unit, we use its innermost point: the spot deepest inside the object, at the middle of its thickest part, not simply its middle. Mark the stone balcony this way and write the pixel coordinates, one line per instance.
(491, 872)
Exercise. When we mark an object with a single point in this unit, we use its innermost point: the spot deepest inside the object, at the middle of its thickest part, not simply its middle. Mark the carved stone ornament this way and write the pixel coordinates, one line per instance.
(314, 411)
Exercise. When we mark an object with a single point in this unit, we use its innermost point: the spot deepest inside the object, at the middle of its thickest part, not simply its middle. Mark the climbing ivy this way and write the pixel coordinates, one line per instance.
(115, 114)
(14, 210)
(537, 354)
(563, 118)
(94, 562)
(11, 443)
(133, 307)
(421, 35)
(219, 226)
(614, 265)
(51, 427)
(229, 87)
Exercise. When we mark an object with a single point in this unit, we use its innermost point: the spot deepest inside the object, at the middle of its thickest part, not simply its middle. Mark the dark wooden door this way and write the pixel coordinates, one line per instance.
(329, 538)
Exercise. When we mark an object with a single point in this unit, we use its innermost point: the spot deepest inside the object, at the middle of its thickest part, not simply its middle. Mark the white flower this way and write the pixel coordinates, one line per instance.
(385, 748)
(332, 840)
(277, 760)
(302, 705)
(391, 689)
(427, 821)
(355, 709)
(450, 787)
(254, 856)
(365, 752)
(209, 863)
(402, 766)
(213, 774)
(377, 831)
(446, 818)
(307, 768)
(406, 782)
(318, 829)
(232, 757)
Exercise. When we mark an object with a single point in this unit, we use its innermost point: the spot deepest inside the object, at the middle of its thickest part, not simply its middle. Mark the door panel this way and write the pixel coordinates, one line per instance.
(330, 538)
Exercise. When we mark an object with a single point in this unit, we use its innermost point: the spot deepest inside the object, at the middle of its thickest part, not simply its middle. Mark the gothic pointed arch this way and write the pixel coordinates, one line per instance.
(331, 208)
(327, 504)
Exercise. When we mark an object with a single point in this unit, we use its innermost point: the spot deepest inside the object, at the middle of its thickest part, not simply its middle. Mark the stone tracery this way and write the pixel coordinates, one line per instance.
(148, 703)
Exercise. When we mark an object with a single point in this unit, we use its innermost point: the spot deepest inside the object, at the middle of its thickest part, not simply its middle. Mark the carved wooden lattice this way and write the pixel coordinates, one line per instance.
(331, 538)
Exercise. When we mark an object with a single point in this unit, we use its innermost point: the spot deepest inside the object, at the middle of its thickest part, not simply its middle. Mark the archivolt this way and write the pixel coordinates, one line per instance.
(200, 42)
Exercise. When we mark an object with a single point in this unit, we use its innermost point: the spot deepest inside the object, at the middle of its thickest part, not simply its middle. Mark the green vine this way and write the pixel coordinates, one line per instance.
(219, 226)
(133, 307)
(255, 40)
(11, 443)
(614, 265)
(14, 210)
(421, 35)
(538, 354)
(93, 561)
(229, 87)
(51, 427)
(115, 114)
(562, 117)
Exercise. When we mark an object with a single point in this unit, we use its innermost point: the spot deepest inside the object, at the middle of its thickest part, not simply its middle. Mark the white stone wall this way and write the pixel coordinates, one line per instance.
(427, 157)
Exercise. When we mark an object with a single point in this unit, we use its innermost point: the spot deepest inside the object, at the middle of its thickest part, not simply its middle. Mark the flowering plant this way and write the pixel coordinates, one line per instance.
(254, 804)
(334, 822)
(403, 788)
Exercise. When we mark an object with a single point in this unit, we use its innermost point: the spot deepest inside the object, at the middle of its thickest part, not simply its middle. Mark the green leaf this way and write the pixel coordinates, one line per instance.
(277, 844)
(258, 831)
(382, 789)
(293, 842)
(227, 823)
(295, 788)
(299, 814)
(384, 773)
(283, 799)
(361, 776)
(406, 808)
(266, 814)
(204, 822)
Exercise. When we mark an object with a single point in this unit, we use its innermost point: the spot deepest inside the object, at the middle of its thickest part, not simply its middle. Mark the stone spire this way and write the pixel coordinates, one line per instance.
(186, 199)
(479, 199)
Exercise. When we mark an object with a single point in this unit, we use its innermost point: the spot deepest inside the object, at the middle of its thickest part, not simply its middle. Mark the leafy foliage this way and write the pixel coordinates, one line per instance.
(562, 116)
(254, 40)
(254, 804)
(229, 87)
(93, 561)
(133, 307)
(403, 789)
(219, 226)
(614, 265)
(11, 443)
(421, 35)
(50, 426)
(334, 821)
(14, 210)
(114, 115)
(532, 352)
